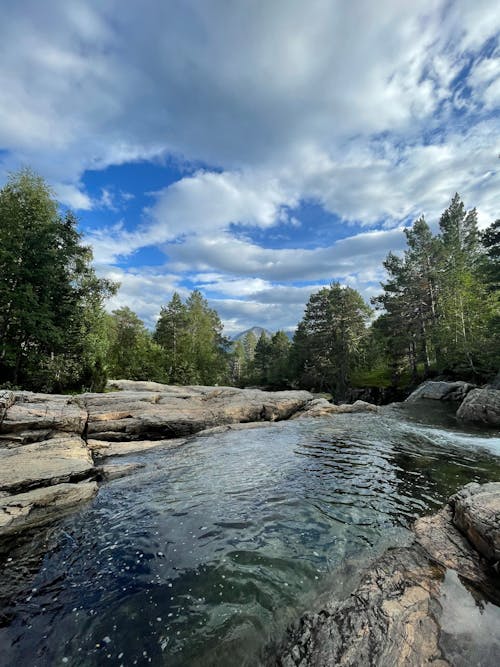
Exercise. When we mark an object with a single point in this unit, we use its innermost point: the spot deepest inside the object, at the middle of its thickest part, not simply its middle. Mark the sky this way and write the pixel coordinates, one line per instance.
(254, 149)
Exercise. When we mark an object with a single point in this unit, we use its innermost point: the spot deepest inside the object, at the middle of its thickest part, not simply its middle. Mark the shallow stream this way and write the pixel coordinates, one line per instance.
(207, 553)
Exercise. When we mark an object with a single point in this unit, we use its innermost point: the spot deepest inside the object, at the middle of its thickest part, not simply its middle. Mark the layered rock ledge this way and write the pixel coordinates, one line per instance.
(396, 614)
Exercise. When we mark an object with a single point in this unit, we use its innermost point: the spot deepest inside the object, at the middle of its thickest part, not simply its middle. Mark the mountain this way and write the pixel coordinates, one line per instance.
(257, 332)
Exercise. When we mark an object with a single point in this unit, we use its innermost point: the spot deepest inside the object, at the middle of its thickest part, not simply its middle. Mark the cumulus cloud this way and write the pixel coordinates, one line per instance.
(356, 254)
(377, 112)
(103, 84)
(145, 290)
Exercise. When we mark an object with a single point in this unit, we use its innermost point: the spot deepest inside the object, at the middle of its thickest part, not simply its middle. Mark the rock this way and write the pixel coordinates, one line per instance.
(180, 411)
(112, 471)
(7, 398)
(52, 461)
(393, 617)
(40, 506)
(476, 512)
(444, 542)
(388, 620)
(24, 437)
(136, 385)
(441, 391)
(320, 407)
(250, 426)
(481, 406)
(31, 412)
(360, 406)
(102, 448)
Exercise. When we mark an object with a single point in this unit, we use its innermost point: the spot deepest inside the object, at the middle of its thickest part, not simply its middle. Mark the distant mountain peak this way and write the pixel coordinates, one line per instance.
(257, 332)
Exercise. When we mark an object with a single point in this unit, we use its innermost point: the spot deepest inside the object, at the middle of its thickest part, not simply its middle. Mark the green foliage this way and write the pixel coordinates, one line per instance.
(439, 303)
(278, 374)
(50, 298)
(329, 341)
(133, 354)
(440, 313)
(190, 335)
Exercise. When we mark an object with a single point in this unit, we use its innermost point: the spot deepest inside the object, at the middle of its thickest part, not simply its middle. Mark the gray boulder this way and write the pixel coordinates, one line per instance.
(476, 513)
(481, 406)
(441, 391)
(320, 407)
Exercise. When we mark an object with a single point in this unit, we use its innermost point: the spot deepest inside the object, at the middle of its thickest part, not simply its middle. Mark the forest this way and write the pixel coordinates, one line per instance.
(437, 314)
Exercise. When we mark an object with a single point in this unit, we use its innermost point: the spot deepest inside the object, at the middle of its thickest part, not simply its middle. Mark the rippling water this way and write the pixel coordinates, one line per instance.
(207, 553)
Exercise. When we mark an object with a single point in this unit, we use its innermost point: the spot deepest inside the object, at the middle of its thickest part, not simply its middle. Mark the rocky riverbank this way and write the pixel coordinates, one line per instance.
(397, 613)
(52, 447)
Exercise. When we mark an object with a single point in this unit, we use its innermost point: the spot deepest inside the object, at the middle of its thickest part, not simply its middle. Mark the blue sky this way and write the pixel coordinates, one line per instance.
(255, 150)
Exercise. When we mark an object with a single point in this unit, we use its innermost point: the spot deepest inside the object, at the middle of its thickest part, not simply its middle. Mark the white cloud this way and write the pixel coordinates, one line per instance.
(365, 109)
(357, 254)
(102, 84)
(144, 290)
(70, 195)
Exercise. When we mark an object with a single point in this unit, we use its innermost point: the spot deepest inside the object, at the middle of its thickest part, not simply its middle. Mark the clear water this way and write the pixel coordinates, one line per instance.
(206, 554)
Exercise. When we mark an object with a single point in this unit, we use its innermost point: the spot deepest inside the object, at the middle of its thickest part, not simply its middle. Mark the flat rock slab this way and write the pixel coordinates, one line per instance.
(179, 411)
(52, 461)
(102, 448)
(30, 411)
(40, 506)
(481, 406)
(320, 407)
(112, 471)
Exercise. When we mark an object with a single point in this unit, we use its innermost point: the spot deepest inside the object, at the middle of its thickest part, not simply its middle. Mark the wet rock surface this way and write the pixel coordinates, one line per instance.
(395, 615)
(476, 513)
(388, 620)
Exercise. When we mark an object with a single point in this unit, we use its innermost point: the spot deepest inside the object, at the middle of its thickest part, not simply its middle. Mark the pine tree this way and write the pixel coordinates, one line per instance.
(171, 333)
(279, 360)
(262, 360)
(329, 338)
(463, 302)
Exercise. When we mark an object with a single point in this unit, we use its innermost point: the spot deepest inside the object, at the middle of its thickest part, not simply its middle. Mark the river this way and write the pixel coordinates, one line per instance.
(207, 553)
